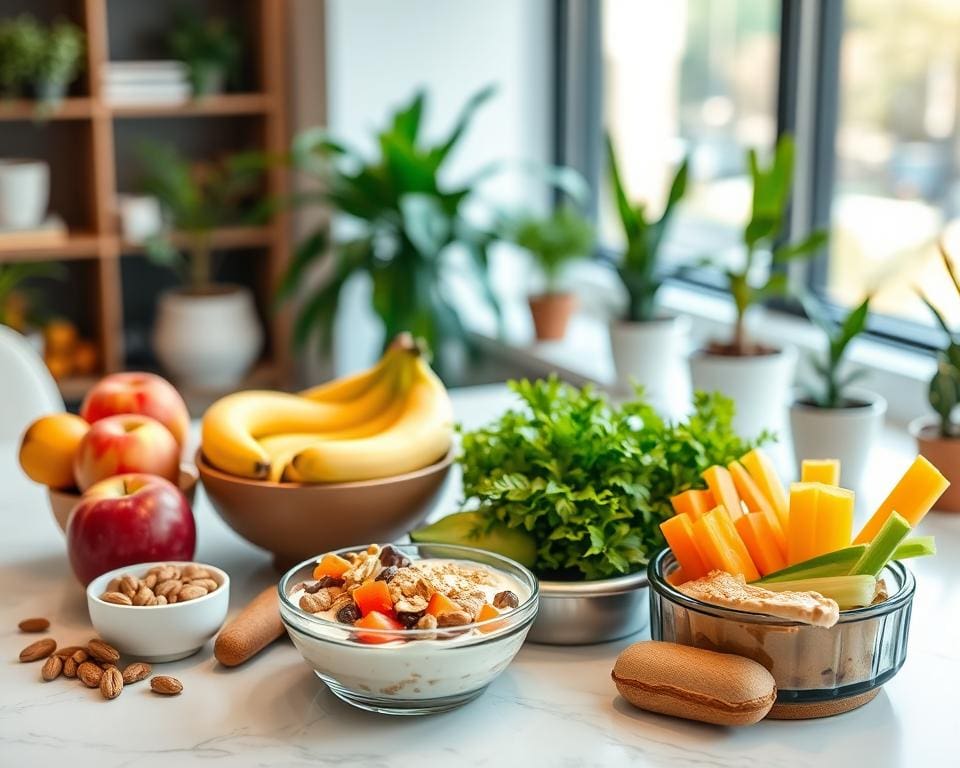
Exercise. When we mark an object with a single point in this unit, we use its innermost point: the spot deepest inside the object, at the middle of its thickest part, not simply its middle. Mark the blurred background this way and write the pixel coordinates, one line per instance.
(152, 199)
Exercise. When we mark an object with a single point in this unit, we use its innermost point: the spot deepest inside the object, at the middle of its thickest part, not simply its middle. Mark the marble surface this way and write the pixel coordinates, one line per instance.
(553, 707)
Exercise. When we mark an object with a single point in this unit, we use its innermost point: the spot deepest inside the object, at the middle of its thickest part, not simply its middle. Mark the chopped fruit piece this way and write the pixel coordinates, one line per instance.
(376, 620)
(678, 531)
(881, 549)
(331, 565)
(826, 471)
(802, 525)
(754, 528)
(764, 474)
(913, 496)
(693, 502)
(721, 545)
(836, 563)
(373, 597)
(721, 485)
(440, 604)
(487, 611)
(755, 501)
(834, 519)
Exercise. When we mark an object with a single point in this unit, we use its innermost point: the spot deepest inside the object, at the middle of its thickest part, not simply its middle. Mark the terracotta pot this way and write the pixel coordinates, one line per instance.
(551, 313)
(944, 454)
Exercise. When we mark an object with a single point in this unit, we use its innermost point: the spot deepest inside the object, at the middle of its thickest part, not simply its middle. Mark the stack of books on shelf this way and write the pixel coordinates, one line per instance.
(145, 82)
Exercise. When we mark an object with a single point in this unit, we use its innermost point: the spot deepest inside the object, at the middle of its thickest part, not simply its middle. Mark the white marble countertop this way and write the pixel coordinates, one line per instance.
(554, 706)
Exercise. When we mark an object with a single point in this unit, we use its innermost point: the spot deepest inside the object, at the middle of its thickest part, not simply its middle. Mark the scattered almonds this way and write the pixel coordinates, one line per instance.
(34, 625)
(52, 668)
(135, 672)
(161, 585)
(165, 685)
(38, 650)
(67, 651)
(89, 674)
(111, 683)
(101, 651)
(70, 668)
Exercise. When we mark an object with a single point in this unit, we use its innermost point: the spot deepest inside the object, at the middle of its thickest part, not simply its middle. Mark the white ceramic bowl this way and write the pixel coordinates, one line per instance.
(158, 633)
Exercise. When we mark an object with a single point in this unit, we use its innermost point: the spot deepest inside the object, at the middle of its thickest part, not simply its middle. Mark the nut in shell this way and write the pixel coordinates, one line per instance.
(89, 674)
(111, 683)
(52, 668)
(135, 672)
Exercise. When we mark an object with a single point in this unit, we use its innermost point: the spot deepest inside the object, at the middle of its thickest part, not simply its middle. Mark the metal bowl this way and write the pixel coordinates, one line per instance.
(585, 612)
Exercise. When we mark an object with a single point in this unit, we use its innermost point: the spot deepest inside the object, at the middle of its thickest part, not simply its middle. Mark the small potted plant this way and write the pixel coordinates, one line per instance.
(646, 345)
(209, 48)
(758, 377)
(831, 419)
(21, 45)
(939, 439)
(59, 62)
(207, 334)
(554, 241)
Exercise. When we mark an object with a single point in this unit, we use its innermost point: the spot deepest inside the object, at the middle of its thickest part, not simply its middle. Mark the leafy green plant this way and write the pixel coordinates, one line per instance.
(22, 42)
(944, 390)
(770, 199)
(640, 269)
(196, 198)
(590, 481)
(62, 54)
(832, 390)
(12, 278)
(565, 235)
(209, 47)
(405, 219)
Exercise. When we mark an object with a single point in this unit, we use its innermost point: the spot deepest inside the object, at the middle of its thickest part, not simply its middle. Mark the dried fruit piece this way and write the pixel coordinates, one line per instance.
(52, 668)
(38, 650)
(409, 619)
(117, 598)
(165, 685)
(89, 674)
(111, 683)
(135, 672)
(102, 651)
(373, 596)
(440, 604)
(390, 555)
(34, 625)
(331, 565)
(348, 614)
(387, 574)
(379, 621)
(505, 599)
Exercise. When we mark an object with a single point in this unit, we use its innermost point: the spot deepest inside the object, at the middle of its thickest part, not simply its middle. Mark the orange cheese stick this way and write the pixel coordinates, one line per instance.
(764, 474)
(802, 527)
(834, 524)
(693, 503)
(826, 471)
(754, 528)
(755, 501)
(913, 496)
(678, 531)
(724, 492)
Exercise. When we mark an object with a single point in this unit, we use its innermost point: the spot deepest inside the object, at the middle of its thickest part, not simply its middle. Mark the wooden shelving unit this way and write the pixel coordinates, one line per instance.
(93, 236)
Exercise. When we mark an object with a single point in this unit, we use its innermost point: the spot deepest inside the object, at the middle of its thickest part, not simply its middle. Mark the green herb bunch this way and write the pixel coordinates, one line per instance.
(590, 481)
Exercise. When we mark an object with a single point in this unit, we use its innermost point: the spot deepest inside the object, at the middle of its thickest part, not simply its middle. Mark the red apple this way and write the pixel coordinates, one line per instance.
(129, 519)
(144, 393)
(128, 443)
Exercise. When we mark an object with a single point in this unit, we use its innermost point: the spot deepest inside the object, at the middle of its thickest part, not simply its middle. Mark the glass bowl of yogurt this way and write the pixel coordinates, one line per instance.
(408, 629)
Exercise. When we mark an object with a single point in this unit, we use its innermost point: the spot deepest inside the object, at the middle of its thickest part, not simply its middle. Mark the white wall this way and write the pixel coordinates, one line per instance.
(380, 51)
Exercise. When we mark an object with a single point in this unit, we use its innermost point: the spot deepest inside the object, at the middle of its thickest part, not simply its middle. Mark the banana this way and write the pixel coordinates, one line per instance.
(420, 436)
(350, 387)
(233, 424)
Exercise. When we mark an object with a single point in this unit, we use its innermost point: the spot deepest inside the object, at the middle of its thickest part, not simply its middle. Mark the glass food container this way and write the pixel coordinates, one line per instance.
(818, 671)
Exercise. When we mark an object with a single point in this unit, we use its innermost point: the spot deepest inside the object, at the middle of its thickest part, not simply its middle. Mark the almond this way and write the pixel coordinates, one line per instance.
(165, 685)
(70, 667)
(143, 596)
(168, 573)
(113, 585)
(194, 571)
(168, 587)
(190, 592)
(101, 651)
(34, 625)
(52, 668)
(312, 604)
(67, 651)
(111, 683)
(80, 655)
(150, 580)
(135, 672)
(89, 674)
(117, 598)
(161, 600)
(38, 650)
(209, 584)
(129, 585)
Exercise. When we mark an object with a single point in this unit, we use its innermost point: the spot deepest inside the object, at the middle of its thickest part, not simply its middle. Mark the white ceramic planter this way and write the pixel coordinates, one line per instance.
(208, 341)
(649, 354)
(846, 434)
(759, 385)
(24, 193)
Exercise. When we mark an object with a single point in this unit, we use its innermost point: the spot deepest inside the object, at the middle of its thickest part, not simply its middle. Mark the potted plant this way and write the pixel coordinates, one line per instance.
(830, 419)
(21, 45)
(553, 241)
(15, 301)
(645, 345)
(207, 335)
(58, 63)
(405, 217)
(939, 440)
(756, 376)
(209, 48)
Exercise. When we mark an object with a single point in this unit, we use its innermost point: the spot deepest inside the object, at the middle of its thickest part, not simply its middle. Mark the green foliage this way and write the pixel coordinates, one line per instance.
(22, 41)
(205, 45)
(405, 217)
(195, 198)
(589, 480)
(831, 393)
(640, 269)
(944, 390)
(770, 200)
(555, 240)
(62, 54)
(12, 278)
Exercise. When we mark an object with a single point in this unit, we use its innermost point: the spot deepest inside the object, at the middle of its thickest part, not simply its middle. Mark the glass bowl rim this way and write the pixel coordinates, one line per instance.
(517, 617)
(898, 599)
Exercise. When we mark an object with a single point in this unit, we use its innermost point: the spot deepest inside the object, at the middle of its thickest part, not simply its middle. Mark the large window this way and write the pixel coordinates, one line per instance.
(871, 88)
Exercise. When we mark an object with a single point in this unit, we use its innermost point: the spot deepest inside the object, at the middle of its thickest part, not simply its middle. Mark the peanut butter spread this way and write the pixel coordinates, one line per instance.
(728, 591)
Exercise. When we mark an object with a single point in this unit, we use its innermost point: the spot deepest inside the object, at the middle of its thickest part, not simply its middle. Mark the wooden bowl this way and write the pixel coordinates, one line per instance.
(63, 502)
(296, 521)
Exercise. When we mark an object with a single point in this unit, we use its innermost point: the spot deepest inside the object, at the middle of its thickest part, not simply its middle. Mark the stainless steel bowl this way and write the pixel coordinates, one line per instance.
(584, 612)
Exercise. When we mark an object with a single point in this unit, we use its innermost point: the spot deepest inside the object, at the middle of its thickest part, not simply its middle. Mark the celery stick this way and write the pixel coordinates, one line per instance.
(837, 563)
(881, 549)
(848, 591)
(915, 546)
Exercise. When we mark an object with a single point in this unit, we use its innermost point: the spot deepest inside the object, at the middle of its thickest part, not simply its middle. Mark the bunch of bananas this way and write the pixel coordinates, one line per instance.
(394, 418)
